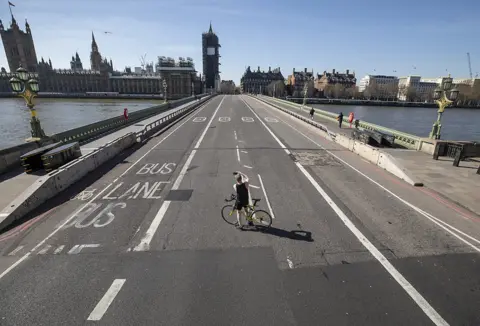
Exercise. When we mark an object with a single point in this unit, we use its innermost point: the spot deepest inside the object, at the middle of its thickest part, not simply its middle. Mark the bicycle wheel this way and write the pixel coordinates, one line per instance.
(228, 214)
(261, 218)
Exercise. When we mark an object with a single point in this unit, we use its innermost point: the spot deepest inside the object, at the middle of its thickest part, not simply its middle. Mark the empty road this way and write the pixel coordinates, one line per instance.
(142, 241)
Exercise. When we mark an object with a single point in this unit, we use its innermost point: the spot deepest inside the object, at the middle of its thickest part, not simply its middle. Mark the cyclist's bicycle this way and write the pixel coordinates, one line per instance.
(258, 217)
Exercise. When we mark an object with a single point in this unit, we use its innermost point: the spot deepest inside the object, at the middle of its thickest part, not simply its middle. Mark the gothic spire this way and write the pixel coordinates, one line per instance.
(210, 30)
(77, 57)
(94, 44)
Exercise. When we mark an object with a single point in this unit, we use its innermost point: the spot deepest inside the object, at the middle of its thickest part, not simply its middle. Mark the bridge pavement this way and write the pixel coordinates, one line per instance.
(141, 241)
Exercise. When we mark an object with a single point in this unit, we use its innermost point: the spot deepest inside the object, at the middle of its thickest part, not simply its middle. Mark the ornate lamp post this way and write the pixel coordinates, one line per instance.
(28, 89)
(443, 101)
(164, 84)
(305, 91)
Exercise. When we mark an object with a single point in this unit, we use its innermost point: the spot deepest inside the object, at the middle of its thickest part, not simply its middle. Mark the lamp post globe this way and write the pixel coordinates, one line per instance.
(16, 84)
(34, 85)
(437, 93)
(22, 73)
(453, 94)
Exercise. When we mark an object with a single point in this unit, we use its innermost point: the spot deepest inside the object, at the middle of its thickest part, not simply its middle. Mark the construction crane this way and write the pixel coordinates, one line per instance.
(142, 61)
(469, 65)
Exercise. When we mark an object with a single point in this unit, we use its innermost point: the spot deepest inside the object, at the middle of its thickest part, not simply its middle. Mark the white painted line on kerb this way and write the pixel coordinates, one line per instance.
(266, 197)
(238, 154)
(24, 257)
(107, 300)
(144, 243)
(444, 225)
(248, 167)
(402, 281)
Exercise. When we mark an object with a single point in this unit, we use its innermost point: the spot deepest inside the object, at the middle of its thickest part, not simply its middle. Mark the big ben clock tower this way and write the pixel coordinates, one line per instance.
(211, 55)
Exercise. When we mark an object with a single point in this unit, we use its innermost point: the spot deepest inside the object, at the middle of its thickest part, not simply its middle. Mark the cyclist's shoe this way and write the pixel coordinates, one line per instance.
(250, 223)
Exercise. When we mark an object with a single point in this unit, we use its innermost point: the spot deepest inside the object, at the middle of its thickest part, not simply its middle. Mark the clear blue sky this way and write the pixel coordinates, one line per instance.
(360, 35)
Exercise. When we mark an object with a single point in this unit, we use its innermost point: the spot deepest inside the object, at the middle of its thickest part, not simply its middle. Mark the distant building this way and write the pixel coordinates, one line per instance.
(96, 62)
(70, 80)
(19, 46)
(296, 82)
(346, 80)
(227, 87)
(76, 63)
(256, 82)
(211, 59)
(379, 86)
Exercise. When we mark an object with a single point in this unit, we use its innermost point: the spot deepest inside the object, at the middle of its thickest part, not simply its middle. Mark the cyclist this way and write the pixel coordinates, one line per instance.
(243, 196)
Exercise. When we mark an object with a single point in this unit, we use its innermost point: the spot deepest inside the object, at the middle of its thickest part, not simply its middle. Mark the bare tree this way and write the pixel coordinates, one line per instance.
(276, 88)
(328, 91)
(392, 91)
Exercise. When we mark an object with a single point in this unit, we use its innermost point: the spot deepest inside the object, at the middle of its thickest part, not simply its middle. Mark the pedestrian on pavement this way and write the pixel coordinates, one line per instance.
(340, 119)
(312, 112)
(351, 117)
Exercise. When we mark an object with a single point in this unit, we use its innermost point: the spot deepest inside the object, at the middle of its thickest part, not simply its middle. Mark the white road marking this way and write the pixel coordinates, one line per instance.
(24, 257)
(444, 225)
(163, 139)
(45, 250)
(235, 134)
(59, 250)
(4, 214)
(224, 119)
(147, 238)
(248, 167)
(199, 119)
(266, 197)
(247, 119)
(244, 152)
(77, 248)
(402, 281)
(256, 187)
(268, 119)
(16, 250)
(290, 263)
(107, 300)
(238, 154)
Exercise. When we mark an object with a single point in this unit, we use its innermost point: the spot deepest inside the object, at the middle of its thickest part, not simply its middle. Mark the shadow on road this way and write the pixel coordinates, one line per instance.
(300, 235)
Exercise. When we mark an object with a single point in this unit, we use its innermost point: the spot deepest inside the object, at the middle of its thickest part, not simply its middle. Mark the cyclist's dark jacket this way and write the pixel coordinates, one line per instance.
(242, 194)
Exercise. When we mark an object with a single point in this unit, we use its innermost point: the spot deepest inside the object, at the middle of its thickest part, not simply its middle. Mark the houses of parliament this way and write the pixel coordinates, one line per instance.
(181, 77)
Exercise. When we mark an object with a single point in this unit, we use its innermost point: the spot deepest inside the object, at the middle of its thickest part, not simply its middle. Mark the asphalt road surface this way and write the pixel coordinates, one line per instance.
(142, 241)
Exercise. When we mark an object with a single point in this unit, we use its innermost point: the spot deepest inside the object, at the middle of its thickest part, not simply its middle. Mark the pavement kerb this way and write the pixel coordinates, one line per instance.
(372, 154)
(50, 185)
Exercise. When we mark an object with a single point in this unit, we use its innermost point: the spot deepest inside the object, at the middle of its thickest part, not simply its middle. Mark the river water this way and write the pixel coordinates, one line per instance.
(457, 124)
(57, 115)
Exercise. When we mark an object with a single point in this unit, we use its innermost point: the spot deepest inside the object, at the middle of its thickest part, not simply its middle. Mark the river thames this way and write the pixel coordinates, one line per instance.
(57, 115)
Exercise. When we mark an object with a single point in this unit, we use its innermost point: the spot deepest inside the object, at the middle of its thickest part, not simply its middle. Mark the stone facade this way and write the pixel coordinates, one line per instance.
(345, 80)
(256, 82)
(296, 82)
(19, 46)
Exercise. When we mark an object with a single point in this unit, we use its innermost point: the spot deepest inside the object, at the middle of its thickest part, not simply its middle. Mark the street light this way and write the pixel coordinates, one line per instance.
(28, 89)
(305, 90)
(443, 101)
(164, 84)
